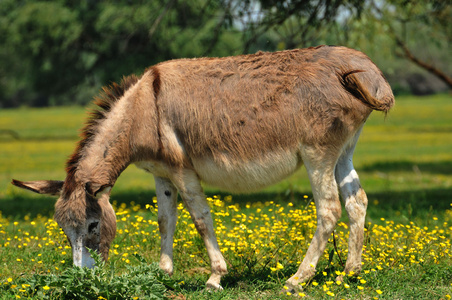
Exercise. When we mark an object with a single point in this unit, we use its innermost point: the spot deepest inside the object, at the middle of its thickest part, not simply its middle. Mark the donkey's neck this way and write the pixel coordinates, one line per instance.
(108, 153)
(117, 135)
(104, 151)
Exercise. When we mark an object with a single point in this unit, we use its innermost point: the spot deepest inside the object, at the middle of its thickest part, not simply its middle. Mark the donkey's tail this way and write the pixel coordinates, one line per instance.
(353, 85)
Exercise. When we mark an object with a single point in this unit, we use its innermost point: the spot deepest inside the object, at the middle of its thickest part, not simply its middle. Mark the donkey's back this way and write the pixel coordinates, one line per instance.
(242, 122)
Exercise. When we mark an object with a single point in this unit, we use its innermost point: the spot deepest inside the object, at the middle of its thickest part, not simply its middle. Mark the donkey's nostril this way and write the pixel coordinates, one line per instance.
(92, 226)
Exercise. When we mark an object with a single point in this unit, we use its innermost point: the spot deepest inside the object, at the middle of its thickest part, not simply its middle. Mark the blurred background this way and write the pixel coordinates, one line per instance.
(62, 52)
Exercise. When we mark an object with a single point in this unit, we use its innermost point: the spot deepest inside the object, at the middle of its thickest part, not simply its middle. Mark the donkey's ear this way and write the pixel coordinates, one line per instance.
(48, 187)
(96, 190)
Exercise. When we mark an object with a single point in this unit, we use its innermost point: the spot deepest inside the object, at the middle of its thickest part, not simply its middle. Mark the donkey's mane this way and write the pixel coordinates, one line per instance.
(105, 101)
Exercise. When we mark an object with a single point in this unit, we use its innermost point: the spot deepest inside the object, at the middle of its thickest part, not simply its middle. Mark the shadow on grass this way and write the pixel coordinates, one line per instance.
(439, 167)
(247, 277)
(407, 203)
(8, 137)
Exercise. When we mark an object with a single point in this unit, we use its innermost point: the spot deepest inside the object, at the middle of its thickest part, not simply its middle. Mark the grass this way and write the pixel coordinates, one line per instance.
(404, 162)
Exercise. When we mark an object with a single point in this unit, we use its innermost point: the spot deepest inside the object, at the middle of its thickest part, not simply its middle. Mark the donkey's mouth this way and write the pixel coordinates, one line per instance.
(81, 256)
(81, 245)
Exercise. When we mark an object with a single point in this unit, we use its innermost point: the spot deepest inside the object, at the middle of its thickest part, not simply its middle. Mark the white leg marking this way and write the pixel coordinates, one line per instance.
(346, 175)
(356, 204)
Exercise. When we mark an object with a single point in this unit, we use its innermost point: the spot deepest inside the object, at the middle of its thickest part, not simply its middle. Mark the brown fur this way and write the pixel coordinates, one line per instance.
(231, 104)
(274, 100)
(41, 186)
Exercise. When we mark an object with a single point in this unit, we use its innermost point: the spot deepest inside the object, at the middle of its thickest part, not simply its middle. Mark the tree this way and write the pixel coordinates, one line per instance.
(295, 19)
(412, 25)
(62, 51)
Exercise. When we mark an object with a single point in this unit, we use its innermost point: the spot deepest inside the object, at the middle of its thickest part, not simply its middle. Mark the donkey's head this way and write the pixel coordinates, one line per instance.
(84, 213)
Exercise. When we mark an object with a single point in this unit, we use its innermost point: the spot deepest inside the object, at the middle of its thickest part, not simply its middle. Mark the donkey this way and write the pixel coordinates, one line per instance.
(238, 123)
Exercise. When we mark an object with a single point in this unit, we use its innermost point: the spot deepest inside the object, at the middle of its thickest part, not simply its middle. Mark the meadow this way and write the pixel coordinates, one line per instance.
(405, 165)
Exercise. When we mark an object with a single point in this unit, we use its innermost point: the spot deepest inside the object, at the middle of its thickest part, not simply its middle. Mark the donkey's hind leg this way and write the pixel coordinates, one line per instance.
(321, 175)
(190, 189)
(167, 219)
(355, 204)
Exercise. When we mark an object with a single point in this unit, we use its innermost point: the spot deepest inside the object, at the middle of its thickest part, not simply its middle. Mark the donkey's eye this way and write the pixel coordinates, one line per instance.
(92, 226)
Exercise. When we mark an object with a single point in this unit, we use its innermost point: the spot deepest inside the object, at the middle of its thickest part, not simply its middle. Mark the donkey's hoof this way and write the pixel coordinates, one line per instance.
(348, 274)
(213, 287)
(291, 290)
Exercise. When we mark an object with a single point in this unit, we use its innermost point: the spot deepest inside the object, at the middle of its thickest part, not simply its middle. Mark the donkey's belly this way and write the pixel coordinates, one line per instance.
(247, 176)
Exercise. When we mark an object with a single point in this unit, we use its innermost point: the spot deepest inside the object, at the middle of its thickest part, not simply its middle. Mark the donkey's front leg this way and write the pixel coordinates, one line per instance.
(193, 196)
(167, 218)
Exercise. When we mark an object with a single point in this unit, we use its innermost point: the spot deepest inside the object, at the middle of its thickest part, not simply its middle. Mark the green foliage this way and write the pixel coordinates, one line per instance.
(261, 241)
(31, 24)
(144, 281)
(62, 52)
(41, 41)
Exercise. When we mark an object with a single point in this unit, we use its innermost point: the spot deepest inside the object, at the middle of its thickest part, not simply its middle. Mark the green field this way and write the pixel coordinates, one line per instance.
(405, 165)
